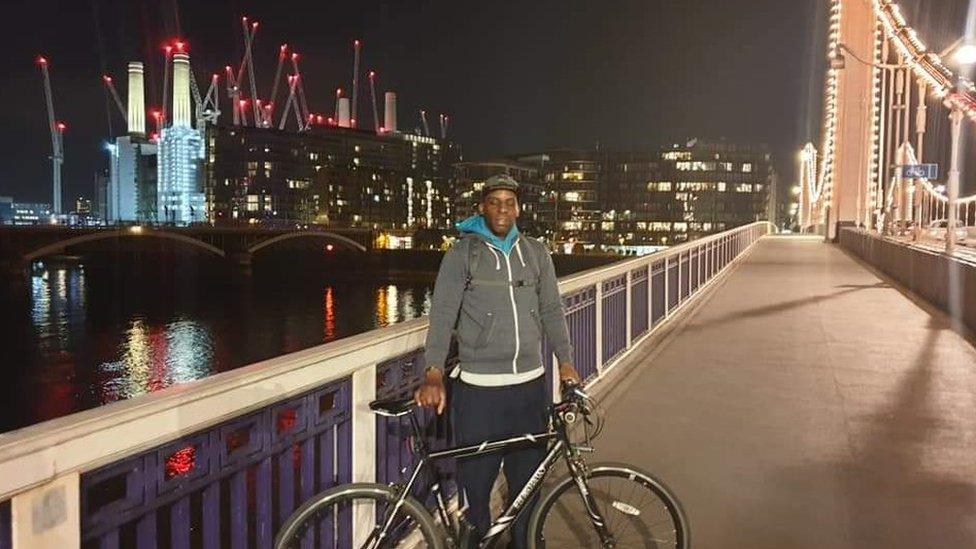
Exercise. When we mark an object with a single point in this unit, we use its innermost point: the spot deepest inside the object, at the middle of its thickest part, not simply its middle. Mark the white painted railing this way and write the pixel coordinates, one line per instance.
(53, 476)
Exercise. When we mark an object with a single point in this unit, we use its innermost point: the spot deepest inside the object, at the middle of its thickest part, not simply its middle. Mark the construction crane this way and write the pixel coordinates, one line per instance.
(423, 120)
(234, 94)
(249, 33)
(282, 56)
(357, 46)
(372, 96)
(300, 87)
(443, 121)
(115, 97)
(57, 137)
(291, 104)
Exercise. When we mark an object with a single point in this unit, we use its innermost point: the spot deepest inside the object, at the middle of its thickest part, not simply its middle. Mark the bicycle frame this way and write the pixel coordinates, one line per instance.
(562, 447)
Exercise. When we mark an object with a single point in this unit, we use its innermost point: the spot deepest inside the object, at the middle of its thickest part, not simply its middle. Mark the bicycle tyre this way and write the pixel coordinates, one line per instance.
(308, 514)
(641, 481)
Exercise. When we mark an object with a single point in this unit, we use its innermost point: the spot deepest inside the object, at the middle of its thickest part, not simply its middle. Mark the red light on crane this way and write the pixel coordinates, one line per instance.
(372, 74)
(180, 45)
(352, 122)
(284, 48)
(107, 79)
(41, 60)
(318, 119)
(356, 43)
(331, 121)
(62, 126)
(254, 25)
(294, 56)
(338, 92)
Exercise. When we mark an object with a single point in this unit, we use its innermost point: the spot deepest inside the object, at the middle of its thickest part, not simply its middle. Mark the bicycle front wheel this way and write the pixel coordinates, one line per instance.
(639, 511)
(354, 515)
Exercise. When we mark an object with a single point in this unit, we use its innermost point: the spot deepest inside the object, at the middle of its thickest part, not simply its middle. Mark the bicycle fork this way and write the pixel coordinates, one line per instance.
(578, 470)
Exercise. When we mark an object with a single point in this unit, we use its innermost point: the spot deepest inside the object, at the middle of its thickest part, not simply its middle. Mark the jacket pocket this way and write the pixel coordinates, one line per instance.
(476, 328)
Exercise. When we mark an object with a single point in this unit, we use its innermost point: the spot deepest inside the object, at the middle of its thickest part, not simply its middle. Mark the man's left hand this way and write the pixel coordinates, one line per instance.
(567, 372)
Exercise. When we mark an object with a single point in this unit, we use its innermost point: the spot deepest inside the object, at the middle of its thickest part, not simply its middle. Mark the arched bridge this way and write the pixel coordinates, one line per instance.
(21, 245)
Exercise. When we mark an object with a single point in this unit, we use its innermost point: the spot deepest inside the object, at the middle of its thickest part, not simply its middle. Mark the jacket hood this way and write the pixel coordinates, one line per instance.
(476, 225)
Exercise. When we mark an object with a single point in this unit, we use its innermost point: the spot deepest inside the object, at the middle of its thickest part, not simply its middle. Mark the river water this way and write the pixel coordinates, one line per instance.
(86, 333)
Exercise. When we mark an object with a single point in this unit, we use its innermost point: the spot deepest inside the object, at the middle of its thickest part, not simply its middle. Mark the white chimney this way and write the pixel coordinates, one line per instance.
(137, 99)
(181, 90)
(344, 112)
(389, 115)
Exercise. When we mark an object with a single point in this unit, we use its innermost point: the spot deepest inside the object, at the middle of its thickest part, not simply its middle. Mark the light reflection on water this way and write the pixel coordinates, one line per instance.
(90, 338)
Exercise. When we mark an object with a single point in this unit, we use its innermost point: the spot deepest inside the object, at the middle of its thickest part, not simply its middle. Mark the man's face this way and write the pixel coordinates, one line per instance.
(500, 209)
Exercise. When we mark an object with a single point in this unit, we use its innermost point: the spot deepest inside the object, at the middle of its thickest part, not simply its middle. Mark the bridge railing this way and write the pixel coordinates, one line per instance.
(223, 461)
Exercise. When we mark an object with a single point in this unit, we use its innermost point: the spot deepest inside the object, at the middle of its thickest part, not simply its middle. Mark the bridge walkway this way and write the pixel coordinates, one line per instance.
(807, 403)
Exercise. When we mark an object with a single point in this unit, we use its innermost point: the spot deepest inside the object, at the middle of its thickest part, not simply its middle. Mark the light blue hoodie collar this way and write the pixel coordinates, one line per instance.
(476, 225)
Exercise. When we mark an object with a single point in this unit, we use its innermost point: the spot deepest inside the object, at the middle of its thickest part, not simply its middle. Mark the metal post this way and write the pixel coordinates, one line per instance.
(599, 327)
(627, 308)
(956, 118)
(667, 290)
(363, 444)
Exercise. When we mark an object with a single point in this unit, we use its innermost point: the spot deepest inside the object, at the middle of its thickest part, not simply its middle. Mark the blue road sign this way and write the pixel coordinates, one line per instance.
(920, 171)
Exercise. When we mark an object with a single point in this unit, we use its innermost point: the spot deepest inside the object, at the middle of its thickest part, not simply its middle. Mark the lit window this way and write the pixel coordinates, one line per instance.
(743, 188)
(680, 227)
(571, 197)
(747, 168)
(721, 186)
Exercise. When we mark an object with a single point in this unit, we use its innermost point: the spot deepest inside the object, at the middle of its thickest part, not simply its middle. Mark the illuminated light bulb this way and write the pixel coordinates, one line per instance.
(966, 55)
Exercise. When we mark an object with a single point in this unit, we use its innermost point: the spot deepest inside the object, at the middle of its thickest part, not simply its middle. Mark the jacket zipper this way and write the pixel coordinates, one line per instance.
(511, 295)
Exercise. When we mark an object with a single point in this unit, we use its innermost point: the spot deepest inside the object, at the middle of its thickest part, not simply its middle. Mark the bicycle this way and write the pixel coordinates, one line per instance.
(388, 516)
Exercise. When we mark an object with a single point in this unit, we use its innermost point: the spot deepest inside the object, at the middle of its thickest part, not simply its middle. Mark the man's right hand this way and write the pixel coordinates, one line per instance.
(431, 393)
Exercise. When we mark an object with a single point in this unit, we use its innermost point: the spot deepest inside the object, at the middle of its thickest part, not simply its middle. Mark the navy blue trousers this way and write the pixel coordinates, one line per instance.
(491, 413)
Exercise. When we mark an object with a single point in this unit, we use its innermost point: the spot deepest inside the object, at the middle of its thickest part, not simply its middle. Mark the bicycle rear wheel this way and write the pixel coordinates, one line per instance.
(638, 509)
(353, 515)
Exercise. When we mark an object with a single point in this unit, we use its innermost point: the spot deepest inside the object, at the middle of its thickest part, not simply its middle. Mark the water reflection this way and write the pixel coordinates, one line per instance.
(85, 335)
(396, 305)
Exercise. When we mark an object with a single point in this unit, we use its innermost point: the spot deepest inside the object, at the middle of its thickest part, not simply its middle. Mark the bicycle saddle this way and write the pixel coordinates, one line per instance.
(392, 406)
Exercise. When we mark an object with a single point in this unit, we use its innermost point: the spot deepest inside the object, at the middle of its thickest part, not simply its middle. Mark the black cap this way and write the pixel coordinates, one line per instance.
(499, 182)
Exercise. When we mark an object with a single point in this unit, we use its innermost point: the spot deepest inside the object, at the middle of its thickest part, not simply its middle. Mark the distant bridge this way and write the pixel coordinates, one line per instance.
(21, 245)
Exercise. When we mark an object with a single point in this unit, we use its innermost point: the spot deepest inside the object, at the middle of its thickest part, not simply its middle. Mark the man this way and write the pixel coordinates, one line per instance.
(497, 292)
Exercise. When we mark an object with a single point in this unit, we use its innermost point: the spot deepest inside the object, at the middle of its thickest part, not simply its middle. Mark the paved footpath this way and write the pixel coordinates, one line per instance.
(807, 403)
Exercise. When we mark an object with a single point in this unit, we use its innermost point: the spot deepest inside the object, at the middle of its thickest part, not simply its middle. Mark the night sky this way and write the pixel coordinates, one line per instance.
(514, 76)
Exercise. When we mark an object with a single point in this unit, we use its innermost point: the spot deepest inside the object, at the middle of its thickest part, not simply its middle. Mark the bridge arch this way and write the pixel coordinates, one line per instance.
(324, 235)
(61, 245)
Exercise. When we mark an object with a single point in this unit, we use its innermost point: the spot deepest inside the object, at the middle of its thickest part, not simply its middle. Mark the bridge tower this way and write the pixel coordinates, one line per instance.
(849, 142)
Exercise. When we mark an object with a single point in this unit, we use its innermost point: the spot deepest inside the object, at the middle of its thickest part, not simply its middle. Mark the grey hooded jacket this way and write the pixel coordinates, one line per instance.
(499, 312)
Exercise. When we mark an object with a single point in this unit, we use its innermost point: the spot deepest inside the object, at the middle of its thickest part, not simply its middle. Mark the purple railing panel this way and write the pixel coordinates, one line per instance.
(6, 535)
(673, 288)
(228, 486)
(398, 378)
(696, 258)
(685, 275)
(639, 287)
(614, 317)
(657, 292)
(580, 307)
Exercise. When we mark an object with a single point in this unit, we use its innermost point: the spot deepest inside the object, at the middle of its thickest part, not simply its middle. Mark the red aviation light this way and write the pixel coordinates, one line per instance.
(284, 48)
(356, 43)
(62, 126)
(318, 119)
(338, 92)
(180, 46)
(352, 122)
(107, 79)
(294, 56)
(254, 25)
(41, 60)
(372, 75)
(331, 121)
